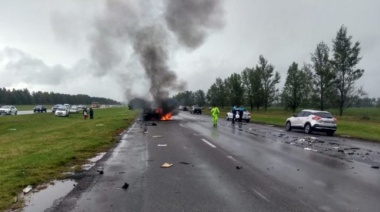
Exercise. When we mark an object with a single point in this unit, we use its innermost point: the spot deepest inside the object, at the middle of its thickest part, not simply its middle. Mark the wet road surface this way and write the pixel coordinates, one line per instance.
(247, 167)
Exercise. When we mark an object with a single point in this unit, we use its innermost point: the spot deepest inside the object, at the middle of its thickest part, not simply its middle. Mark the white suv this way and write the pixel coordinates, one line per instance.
(312, 120)
(8, 110)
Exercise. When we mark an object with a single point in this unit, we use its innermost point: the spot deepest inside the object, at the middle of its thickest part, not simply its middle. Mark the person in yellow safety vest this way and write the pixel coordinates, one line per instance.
(215, 114)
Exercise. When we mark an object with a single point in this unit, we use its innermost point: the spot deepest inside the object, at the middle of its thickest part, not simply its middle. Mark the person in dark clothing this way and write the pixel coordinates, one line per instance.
(234, 110)
(91, 113)
(241, 111)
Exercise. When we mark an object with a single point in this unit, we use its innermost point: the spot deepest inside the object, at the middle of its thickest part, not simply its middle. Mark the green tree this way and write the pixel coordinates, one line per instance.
(200, 98)
(297, 87)
(323, 77)
(235, 89)
(345, 59)
(268, 81)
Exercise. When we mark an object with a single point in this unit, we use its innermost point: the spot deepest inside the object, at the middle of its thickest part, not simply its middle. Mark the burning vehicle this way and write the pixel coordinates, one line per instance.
(155, 111)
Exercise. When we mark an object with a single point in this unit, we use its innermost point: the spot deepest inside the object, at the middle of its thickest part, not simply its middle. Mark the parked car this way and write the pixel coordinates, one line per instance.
(62, 111)
(54, 108)
(312, 120)
(8, 110)
(246, 116)
(74, 109)
(39, 109)
(196, 110)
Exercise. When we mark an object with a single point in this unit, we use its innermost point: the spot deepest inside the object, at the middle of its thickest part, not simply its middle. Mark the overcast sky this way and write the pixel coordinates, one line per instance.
(49, 45)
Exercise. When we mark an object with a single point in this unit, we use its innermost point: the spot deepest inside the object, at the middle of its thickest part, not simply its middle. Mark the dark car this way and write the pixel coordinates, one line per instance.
(196, 110)
(39, 109)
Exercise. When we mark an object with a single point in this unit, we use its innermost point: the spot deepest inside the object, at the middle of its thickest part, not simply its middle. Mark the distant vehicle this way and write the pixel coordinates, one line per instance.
(196, 110)
(54, 108)
(39, 109)
(312, 120)
(246, 116)
(74, 109)
(95, 105)
(62, 111)
(8, 110)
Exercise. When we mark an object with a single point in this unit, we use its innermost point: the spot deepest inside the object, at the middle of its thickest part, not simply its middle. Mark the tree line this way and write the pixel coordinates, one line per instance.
(327, 81)
(24, 97)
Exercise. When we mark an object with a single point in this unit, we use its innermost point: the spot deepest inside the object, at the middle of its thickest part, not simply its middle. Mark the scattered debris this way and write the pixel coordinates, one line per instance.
(100, 170)
(239, 167)
(186, 163)
(157, 136)
(309, 149)
(162, 145)
(341, 150)
(15, 199)
(336, 147)
(345, 136)
(13, 129)
(166, 165)
(298, 169)
(375, 167)
(125, 186)
(27, 189)
(99, 125)
(154, 124)
(355, 148)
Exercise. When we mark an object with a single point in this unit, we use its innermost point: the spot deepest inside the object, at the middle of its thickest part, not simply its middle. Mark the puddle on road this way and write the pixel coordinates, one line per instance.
(40, 200)
(44, 199)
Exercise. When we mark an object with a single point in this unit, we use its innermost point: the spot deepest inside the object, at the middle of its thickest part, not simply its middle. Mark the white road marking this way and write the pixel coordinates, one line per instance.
(162, 145)
(258, 193)
(230, 157)
(181, 125)
(207, 142)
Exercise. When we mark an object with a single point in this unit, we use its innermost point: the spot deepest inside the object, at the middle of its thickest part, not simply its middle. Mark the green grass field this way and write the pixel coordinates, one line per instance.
(38, 148)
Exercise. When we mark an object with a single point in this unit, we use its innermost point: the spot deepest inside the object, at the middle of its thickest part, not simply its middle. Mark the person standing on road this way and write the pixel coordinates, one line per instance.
(85, 113)
(91, 113)
(215, 114)
(241, 111)
(234, 110)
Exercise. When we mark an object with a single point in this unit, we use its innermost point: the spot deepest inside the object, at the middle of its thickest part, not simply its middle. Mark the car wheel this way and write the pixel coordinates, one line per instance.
(288, 126)
(307, 129)
(330, 133)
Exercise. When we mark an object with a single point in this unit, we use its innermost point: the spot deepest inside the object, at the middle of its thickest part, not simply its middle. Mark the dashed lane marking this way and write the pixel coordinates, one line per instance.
(260, 195)
(232, 158)
(181, 125)
(207, 142)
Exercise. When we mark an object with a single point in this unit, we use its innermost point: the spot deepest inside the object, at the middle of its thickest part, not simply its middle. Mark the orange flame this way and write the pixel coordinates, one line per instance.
(166, 117)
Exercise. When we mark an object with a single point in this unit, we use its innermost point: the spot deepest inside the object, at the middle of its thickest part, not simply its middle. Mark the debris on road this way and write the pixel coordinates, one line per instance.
(239, 167)
(125, 186)
(154, 124)
(27, 189)
(166, 165)
(186, 163)
(100, 170)
(162, 145)
(157, 136)
(309, 149)
(375, 167)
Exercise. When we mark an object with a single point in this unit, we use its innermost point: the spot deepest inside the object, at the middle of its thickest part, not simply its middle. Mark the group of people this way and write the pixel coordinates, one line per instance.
(85, 113)
(235, 110)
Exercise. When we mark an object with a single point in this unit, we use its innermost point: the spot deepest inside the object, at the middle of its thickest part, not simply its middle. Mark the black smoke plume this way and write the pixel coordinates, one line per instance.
(144, 29)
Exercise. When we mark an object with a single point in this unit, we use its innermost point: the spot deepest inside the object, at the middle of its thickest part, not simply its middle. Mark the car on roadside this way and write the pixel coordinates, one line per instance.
(312, 120)
(54, 108)
(196, 110)
(39, 109)
(8, 110)
(246, 116)
(62, 111)
(74, 109)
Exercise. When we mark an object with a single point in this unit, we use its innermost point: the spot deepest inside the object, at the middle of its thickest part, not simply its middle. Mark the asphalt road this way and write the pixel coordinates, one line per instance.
(241, 167)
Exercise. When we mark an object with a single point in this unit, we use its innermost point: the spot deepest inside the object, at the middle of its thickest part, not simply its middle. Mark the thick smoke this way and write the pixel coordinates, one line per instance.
(144, 29)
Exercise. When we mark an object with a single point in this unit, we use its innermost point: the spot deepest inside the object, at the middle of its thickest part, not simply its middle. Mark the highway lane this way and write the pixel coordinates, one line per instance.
(245, 167)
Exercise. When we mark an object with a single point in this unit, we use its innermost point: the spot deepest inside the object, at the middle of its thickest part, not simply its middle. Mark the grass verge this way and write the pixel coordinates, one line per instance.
(38, 148)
